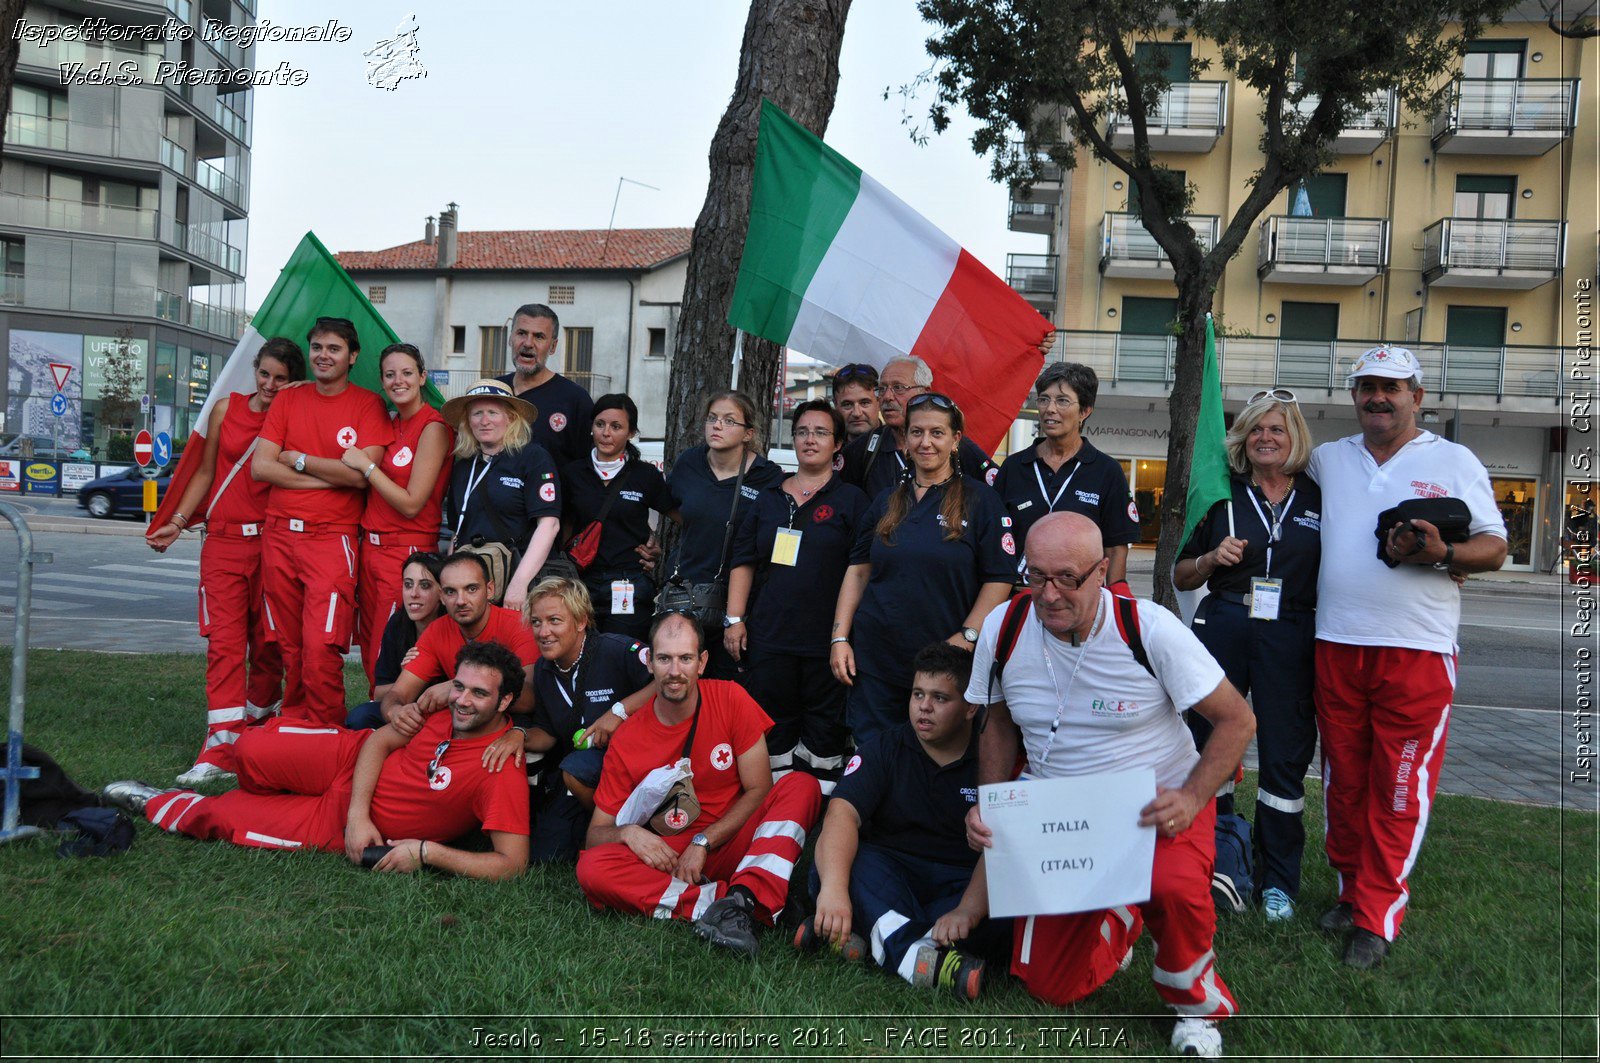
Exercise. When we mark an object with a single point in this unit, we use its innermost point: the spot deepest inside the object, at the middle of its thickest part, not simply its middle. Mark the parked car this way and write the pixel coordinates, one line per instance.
(44, 449)
(120, 492)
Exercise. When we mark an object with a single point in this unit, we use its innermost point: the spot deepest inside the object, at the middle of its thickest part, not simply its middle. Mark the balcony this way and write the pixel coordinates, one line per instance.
(1128, 250)
(1501, 253)
(1367, 130)
(1190, 117)
(72, 215)
(1047, 189)
(11, 289)
(1526, 116)
(219, 184)
(174, 157)
(217, 320)
(36, 132)
(231, 120)
(1297, 250)
(1255, 362)
(204, 246)
(1034, 278)
(1032, 217)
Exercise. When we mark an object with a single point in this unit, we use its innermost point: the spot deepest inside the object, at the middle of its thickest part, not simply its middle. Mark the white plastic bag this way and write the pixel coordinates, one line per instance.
(651, 791)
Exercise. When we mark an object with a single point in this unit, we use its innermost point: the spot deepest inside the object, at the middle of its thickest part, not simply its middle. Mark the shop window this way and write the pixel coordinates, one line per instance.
(1517, 500)
(1147, 478)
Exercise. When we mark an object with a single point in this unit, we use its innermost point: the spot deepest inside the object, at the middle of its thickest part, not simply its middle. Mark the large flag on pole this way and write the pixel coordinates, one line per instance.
(1208, 462)
(311, 285)
(837, 267)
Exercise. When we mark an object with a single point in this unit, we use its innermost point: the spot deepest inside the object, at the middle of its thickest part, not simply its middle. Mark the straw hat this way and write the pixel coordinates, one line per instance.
(455, 410)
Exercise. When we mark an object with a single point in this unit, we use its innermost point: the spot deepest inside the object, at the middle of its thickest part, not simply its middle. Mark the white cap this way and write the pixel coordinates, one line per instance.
(1394, 363)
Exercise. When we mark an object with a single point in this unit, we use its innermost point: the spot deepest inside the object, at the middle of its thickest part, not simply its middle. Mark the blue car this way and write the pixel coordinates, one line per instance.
(121, 492)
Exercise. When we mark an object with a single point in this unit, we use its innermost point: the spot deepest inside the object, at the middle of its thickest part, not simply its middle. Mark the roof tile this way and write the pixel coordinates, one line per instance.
(534, 249)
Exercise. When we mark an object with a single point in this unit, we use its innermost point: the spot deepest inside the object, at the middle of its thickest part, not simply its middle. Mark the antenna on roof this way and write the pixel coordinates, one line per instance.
(610, 225)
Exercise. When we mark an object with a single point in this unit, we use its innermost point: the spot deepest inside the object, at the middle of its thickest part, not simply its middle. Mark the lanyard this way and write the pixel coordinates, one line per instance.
(1049, 666)
(1050, 503)
(472, 484)
(575, 666)
(1274, 526)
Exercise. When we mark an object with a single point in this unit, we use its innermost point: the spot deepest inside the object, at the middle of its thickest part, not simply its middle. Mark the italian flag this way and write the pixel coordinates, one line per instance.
(311, 285)
(837, 267)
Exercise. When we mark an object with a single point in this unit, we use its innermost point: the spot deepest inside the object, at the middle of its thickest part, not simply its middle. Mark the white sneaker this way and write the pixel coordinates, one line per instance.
(1197, 1037)
(205, 773)
(1277, 904)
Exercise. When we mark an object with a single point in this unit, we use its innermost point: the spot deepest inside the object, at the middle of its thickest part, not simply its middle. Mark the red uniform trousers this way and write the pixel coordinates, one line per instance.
(310, 579)
(761, 857)
(1384, 715)
(1063, 958)
(378, 587)
(294, 791)
(233, 621)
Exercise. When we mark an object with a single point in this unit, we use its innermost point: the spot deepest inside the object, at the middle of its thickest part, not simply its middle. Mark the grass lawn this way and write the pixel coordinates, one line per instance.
(189, 949)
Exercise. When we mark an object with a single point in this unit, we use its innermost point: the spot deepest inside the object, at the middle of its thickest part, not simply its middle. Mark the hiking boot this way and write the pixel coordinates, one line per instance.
(130, 795)
(1364, 950)
(728, 923)
(948, 968)
(1278, 905)
(1197, 1037)
(1341, 916)
(205, 773)
(852, 948)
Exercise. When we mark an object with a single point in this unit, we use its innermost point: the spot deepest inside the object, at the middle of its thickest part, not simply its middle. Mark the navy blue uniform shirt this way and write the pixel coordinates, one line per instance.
(399, 635)
(791, 606)
(1295, 556)
(922, 587)
(907, 802)
(627, 523)
(612, 667)
(565, 423)
(705, 502)
(876, 475)
(506, 501)
(1089, 482)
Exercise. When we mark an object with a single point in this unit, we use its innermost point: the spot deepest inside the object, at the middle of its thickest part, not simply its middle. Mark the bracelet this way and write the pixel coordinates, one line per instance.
(370, 468)
(519, 727)
(841, 638)
(422, 853)
(180, 520)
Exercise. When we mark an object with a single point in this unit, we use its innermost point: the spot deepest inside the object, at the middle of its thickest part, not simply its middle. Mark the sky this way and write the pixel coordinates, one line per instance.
(530, 112)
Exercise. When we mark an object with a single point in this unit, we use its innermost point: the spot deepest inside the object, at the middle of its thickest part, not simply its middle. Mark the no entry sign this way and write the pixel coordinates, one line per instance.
(143, 446)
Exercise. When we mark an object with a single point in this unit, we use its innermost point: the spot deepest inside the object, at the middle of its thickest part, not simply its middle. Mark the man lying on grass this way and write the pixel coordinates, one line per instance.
(330, 788)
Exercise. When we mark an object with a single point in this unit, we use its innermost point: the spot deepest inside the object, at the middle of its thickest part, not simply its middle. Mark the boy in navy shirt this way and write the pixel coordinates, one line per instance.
(893, 861)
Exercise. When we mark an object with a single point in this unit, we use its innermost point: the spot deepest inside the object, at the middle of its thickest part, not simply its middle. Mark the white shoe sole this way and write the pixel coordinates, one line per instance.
(205, 773)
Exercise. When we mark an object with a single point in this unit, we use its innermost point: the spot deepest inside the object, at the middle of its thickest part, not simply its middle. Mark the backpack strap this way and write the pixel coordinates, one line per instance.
(1010, 630)
(1125, 611)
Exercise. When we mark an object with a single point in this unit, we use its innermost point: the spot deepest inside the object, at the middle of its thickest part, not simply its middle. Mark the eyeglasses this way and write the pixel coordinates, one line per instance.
(438, 755)
(813, 433)
(856, 370)
(1051, 402)
(712, 421)
(898, 390)
(1064, 582)
(1275, 394)
(933, 398)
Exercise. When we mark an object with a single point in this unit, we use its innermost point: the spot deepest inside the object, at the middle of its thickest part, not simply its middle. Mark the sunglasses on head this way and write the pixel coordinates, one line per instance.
(932, 398)
(856, 371)
(1273, 394)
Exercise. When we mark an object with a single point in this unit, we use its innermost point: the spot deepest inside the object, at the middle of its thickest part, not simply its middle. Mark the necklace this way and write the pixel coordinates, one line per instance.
(1257, 484)
(807, 492)
(941, 483)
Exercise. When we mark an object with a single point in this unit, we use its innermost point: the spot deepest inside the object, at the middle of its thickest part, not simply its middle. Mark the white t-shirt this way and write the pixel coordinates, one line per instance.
(1116, 716)
(1360, 600)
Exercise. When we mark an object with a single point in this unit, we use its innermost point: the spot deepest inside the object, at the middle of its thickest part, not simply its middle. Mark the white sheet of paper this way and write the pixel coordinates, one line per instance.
(1068, 845)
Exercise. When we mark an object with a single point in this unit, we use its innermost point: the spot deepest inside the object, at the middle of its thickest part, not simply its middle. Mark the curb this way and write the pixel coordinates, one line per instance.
(98, 527)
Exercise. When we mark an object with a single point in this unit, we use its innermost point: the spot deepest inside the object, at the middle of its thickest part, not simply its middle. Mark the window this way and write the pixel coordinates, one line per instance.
(1168, 58)
(1475, 326)
(458, 339)
(1310, 322)
(658, 343)
(491, 349)
(11, 269)
(1484, 196)
(1489, 58)
(1517, 500)
(1326, 193)
(38, 118)
(580, 355)
(378, 293)
(563, 294)
(1148, 317)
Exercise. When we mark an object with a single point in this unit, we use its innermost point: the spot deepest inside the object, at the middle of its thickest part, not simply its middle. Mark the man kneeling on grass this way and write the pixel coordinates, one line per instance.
(335, 789)
(893, 859)
(726, 861)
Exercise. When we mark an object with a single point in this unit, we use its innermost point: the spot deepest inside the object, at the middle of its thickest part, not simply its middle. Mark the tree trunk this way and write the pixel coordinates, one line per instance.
(10, 50)
(790, 55)
(1194, 302)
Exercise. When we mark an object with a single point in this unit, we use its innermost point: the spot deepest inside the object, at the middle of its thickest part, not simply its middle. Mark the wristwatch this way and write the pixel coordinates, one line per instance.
(1449, 558)
(300, 462)
(729, 621)
(703, 841)
(618, 711)
(970, 634)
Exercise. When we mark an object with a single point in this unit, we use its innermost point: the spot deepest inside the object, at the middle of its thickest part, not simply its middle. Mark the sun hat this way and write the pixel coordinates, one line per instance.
(456, 408)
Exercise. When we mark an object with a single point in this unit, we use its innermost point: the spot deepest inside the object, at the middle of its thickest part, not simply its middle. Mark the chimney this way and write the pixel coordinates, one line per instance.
(447, 237)
(427, 231)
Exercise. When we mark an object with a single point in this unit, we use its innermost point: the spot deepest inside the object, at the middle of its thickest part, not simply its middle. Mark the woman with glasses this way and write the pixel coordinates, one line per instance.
(1257, 553)
(933, 556)
(789, 558)
(404, 493)
(702, 484)
(421, 603)
(1062, 472)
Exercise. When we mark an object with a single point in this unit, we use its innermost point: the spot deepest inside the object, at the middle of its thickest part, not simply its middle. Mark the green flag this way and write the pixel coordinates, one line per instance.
(1208, 461)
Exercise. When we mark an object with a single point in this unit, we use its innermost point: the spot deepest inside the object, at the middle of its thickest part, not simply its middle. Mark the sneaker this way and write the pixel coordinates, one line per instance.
(853, 947)
(1364, 950)
(1341, 916)
(1278, 905)
(727, 923)
(1197, 1037)
(205, 772)
(130, 795)
(948, 968)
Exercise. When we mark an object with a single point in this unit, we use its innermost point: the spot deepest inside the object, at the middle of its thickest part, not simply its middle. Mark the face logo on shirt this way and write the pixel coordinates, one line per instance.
(1133, 512)
(722, 757)
(547, 492)
(822, 514)
(988, 477)
(1008, 544)
(346, 436)
(1114, 708)
(440, 779)
(402, 457)
(558, 421)
(855, 762)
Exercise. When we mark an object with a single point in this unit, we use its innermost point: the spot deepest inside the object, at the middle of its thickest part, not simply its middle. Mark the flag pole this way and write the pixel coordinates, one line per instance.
(738, 356)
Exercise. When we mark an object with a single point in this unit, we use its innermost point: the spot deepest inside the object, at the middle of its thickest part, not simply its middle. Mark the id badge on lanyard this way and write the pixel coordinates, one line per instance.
(1266, 596)
(621, 597)
(786, 547)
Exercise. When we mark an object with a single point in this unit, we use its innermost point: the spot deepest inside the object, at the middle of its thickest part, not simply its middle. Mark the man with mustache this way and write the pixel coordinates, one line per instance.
(1386, 641)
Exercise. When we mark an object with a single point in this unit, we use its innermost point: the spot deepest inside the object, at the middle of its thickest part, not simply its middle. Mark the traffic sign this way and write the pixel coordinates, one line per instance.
(58, 404)
(142, 446)
(144, 402)
(60, 370)
(163, 448)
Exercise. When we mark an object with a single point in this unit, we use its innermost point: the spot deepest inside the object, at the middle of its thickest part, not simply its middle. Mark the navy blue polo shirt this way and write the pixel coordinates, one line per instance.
(907, 802)
(705, 502)
(889, 468)
(1295, 556)
(612, 667)
(627, 523)
(565, 423)
(791, 606)
(507, 499)
(922, 587)
(1089, 482)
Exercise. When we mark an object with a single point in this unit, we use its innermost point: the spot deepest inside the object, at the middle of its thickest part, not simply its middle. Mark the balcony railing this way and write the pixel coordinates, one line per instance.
(1506, 116)
(1346, 250)
(204, 246)
(72, 215)
(36, 131)
(230, 120)
(63, 134)
(1189, 115)
(1254, 362)
(12, 289)
(1031, 217)
(1505, 247)
(1379, 114)
(217, 320)
(593, 383)
(1124, 240)
(174, 157)
(1032, 275)
(169, 306)
(58, 55)
(218, 183)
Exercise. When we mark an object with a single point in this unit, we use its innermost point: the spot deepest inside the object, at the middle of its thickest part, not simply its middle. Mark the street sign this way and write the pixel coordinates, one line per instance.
(144, 402)
(58, 404)
(163, 448)
(60, 370)
(142, 446)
